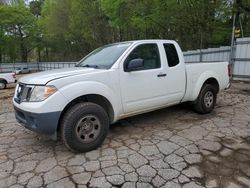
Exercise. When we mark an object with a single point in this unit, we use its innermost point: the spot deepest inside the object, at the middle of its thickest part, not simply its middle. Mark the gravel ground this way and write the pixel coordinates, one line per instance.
(173, 147)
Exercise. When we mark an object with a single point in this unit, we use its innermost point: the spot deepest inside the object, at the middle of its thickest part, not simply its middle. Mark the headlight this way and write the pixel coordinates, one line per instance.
(40, 93)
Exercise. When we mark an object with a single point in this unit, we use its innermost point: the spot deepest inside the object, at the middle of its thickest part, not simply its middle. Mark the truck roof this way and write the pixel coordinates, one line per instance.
(146, 41)
(153, 40)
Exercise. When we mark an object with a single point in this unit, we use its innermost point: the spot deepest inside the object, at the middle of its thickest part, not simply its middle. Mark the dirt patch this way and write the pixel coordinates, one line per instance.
(229, 165)
(246, 91)
(6, 96)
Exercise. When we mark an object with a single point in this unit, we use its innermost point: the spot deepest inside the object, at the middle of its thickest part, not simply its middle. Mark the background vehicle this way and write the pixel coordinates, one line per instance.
(22, 70)
(6, 78)
(114, 82)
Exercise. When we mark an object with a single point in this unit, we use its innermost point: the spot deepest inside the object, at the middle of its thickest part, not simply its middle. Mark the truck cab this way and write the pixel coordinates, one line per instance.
(159, 80)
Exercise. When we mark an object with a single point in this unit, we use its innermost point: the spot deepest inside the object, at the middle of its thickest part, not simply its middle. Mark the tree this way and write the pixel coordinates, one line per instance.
(17, 23)
(243, 8)
(89, 26)
(66, 30)
(36, 7)
(54, 23)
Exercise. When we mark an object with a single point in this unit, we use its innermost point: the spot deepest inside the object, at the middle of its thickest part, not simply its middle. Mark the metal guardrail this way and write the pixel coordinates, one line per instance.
(55, 65)
(240, 57)
(205, 52)
(37, 66)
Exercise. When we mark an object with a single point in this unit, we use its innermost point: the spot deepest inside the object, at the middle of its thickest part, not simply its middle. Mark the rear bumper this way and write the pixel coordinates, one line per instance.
(43, 123)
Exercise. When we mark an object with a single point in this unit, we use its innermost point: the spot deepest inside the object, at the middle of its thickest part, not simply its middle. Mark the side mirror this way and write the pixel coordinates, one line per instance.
(134, 65)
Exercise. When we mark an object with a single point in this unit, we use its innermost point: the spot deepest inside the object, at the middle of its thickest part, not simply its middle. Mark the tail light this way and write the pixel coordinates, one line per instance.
(229, 70)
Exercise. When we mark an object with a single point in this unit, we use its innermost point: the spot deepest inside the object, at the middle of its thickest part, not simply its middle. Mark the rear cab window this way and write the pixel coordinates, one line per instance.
(172, 55)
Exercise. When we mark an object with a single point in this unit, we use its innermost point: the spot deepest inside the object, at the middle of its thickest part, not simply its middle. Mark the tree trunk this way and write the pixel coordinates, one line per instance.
(1, 55)
(23, 49)
(47, 54)
(24, 53)
(39, 55)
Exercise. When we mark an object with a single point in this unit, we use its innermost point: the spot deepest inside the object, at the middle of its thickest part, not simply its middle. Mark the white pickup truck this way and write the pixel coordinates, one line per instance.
(114, 82)
(7, 78)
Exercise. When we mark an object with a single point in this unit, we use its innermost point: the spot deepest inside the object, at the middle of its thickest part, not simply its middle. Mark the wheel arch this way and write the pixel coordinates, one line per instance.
(212, 81)
(208, 77)
(94, 98)
(4, 80)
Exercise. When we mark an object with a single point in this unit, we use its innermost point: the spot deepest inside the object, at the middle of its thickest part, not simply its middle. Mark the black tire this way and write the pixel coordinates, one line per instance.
(3, 84)
(77, 124)
(206, 99)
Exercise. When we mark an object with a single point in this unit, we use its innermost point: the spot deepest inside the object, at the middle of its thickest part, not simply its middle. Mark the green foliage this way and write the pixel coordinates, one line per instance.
(88, 25)
(66, 30)
(36, 7)
(17, 27)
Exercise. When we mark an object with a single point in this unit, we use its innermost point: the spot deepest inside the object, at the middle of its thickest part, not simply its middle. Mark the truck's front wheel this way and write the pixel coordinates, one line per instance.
(84, 127)
(2, 84)
(206, 99)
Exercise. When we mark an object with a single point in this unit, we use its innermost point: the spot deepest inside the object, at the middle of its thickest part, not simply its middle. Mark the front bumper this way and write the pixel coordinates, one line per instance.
(43, 123)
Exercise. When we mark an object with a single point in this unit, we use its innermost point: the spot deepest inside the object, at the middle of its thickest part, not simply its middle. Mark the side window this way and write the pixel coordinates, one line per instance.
(171, 54)
(149, 53)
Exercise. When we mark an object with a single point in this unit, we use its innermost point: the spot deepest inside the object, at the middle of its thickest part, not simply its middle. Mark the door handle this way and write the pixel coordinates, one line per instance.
(161, 75)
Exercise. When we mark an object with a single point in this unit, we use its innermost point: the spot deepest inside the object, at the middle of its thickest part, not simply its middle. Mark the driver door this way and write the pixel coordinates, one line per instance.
(144, 88)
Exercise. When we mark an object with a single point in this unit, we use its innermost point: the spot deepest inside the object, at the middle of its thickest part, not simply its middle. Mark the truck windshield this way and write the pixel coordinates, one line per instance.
(104, 57)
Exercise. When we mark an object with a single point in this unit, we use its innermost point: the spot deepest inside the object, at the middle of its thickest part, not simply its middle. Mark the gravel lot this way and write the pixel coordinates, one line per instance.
(173, 147)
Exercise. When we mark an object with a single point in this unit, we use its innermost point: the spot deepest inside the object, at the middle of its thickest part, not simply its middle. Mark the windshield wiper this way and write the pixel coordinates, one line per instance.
(90, 66)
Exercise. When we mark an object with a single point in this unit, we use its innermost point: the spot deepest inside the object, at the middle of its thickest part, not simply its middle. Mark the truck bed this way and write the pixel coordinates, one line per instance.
(195, 71)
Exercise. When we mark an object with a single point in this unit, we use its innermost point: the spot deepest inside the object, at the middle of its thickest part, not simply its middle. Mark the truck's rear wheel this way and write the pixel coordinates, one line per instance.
(3, 84)
(206, 99)
(84, 127)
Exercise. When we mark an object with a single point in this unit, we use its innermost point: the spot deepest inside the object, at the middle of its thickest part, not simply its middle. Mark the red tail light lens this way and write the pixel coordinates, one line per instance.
(229, 70)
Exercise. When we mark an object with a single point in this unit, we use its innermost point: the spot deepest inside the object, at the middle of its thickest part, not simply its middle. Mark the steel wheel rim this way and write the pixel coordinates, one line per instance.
(209, 99)
(88, 128)
(2, 85)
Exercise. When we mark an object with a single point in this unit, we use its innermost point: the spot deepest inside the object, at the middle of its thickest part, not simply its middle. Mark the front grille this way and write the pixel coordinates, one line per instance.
(23, 93)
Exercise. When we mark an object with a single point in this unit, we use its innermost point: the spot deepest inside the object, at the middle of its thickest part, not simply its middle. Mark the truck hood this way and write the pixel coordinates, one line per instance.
(42, 78)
